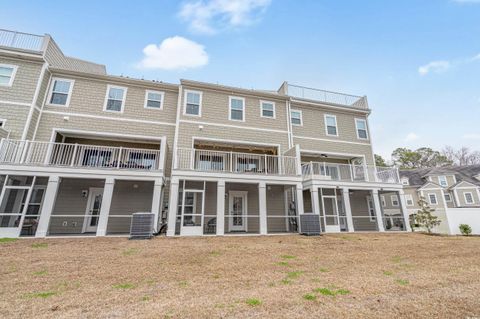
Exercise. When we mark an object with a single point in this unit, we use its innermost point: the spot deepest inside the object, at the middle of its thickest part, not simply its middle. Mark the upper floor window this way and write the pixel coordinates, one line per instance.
(115, 99)
(469, 198)
(60, 92)
(154, 100)
(2, 123)
(7, 74)
(432, 199)
(448, 197)
(361, 126)
(442, 180)
(237, 109)
(394, 199)
(296, 117)
(193, 103)
(331, 125)
(405, 181)
(267, 109)
(409, 199)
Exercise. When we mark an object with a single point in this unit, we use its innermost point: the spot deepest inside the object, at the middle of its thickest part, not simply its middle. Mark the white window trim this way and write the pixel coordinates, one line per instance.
(440, 178)
(12, 77)
(356, 128)
(301, 117)
(230, 98)
(405, 179)
(382, 199)
(274, 109)
(465, 197)
(146, 100)
(326, 125)
(200, 93)
(449, 196)
(409, 197)
(50, 91)
(123, 99)
(430, 200)
(393, 199)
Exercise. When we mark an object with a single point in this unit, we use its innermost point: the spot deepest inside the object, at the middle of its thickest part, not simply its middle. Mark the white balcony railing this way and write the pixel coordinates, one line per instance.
(20, 40)
(327, 96)
(77, 155)
(351, 173)
(233, 162)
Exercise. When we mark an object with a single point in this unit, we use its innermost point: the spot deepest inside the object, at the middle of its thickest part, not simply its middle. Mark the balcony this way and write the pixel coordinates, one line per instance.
(20, 40)
(32, 153)
(329, 97)
(350, 173)
(235, 162)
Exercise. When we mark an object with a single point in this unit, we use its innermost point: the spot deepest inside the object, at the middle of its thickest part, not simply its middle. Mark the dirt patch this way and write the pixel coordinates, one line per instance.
(344, 275)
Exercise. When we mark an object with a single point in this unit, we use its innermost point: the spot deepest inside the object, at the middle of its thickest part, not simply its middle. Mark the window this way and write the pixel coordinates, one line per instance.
(442, 180)
(361, 126)
(2, 122)
(60, 92)
(237, 109)
(382, 198)
(371, 209)
(468, 198)
(154, 100)
(296, 117)
(409, 199)
(115, 99)
(448, 197)
(7, 74)
(193, 103)
(405, 181)
(432, 199)
(267, 109)
(394, 199)
(331, 125)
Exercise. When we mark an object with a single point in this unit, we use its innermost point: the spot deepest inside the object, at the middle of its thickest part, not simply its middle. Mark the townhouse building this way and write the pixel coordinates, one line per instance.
(454, 193)
(82, 150)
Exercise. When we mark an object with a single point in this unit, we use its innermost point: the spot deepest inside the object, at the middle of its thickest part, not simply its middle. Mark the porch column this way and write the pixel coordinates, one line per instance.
(47, 206)
(378, 210)
(348, 208)
(157, 202)
(105, 207)
(221, 208)
(172, 206)
(315, 201)
(300, 209)
(403, 207)
(262, 202)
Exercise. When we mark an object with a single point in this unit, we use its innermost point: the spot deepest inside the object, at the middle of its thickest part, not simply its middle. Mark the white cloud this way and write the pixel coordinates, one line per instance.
(411, 137)
(210, 16)
(175, 53)
(471, 136)
(434, 66)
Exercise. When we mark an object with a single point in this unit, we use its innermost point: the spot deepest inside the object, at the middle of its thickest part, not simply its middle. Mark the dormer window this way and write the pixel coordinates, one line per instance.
(405, 181)
(442, 180)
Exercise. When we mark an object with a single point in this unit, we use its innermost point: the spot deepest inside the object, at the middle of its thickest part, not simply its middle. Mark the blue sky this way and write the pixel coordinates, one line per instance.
(417, 61)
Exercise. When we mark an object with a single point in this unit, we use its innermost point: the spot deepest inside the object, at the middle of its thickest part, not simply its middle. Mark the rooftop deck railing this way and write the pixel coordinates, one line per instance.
(233, 162)
(350, 173)
(78, 155)
(20, 40)
(327, 96)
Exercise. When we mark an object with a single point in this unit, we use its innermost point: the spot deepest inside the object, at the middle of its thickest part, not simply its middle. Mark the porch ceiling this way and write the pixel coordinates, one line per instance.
(234, 147)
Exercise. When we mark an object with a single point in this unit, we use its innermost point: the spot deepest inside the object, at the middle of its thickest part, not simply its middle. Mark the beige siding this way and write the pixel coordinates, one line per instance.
(461, 197)
(16, 117)
(440, 199)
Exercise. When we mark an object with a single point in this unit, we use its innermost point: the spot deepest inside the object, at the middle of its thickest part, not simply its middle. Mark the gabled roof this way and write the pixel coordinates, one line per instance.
(431, 185)
(417, 177)
(463, 184)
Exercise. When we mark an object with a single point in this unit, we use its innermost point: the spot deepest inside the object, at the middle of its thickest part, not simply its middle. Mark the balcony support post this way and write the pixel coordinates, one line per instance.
(172, 206)
(220, 208)
(157, 201)
(348, 209)
(262, 202)
(105, 207)
(47, 207)
(403, 207)
(378, 210)
(315, 200)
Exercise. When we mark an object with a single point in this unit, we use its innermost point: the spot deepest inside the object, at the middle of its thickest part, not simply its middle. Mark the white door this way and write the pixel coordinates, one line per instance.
(331, 214)
(92, 214)
(238, 211)
(12, 210)
(192, 205)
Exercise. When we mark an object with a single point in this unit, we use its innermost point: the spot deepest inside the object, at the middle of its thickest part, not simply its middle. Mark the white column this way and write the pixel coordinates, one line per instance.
(315, 201)
(157, 202)
(403, 206)
(220, 208)
(172, 206)
(300, 209)
(262, 202)
(48, 204)
(348, 208)
(105, 207)
(378, 210)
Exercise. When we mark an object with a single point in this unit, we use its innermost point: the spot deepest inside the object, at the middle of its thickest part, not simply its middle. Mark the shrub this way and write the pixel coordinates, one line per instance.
(424, 217)
(465, 229)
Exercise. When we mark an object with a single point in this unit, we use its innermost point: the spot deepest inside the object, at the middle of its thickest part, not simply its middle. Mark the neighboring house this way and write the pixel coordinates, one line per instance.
(452, 191)
(83, 150)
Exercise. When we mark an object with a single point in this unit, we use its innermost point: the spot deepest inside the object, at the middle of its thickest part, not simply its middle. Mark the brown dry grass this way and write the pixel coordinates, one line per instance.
(369, 275)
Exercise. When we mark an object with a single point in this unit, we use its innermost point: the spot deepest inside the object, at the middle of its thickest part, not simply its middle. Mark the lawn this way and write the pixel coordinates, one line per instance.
(341, 275)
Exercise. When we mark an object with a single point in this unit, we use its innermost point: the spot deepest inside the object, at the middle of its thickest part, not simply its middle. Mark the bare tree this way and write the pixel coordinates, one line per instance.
(462, 156)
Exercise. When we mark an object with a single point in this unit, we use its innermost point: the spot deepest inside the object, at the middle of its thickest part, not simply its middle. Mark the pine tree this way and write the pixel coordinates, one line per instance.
(424, 217)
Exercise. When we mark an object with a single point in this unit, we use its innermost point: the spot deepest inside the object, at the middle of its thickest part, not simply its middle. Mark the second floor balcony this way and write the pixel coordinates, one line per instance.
(350, 172)
(35, 153)
(235, 162)
(21, 40)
